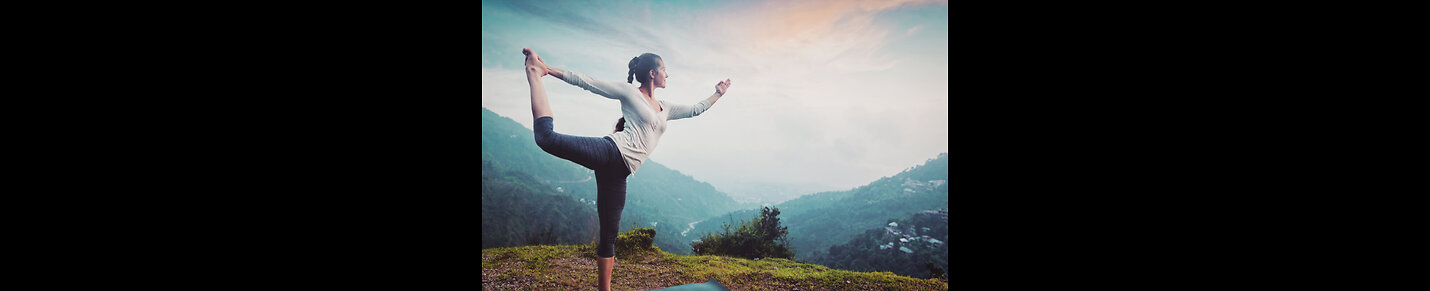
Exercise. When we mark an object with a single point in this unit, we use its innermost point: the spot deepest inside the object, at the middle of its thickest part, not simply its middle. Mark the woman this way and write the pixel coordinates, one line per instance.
(619, 154)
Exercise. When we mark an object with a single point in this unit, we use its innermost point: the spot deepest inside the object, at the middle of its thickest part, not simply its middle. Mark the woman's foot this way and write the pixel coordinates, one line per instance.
(534, 64)
(535, 68)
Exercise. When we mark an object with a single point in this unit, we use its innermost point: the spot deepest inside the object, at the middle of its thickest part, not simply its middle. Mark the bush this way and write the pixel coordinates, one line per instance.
(761, 237)
(636, 240)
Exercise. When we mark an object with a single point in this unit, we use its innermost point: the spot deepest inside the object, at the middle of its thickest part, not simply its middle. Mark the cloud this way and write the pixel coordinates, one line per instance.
(795, 26)
(913, 30)
(841, 36)
(820, 98)
(568, 14)
(813, 80)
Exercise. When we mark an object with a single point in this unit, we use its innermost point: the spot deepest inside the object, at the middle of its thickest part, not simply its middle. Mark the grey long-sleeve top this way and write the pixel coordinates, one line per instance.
(644, 125)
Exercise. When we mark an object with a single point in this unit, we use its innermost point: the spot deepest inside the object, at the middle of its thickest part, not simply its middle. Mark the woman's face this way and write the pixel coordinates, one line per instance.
(660, 75)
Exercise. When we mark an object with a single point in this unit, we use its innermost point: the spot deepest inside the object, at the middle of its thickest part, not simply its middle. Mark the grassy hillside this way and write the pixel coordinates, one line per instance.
(642, 266)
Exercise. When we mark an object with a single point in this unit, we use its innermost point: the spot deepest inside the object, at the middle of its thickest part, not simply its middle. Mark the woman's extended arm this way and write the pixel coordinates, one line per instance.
(684, 111)
(604, 88)
(608, 89)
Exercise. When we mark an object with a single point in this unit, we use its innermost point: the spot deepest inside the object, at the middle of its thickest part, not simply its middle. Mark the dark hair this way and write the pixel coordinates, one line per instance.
(620, 125)
(642, 64)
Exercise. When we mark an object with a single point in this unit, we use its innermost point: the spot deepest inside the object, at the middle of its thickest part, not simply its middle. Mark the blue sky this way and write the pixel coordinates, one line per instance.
(826, 95)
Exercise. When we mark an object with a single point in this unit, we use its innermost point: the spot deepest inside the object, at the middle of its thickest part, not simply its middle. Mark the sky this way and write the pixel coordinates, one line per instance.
(825, 95)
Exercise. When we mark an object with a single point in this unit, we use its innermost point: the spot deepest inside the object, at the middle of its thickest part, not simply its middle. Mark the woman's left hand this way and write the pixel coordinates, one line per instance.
(721, 87)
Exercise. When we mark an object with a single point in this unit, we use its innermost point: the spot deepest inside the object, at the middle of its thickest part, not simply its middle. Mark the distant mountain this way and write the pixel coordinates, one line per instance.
(914, 246)
(517, 210)
(513, 146)
(818, 221)
(656, 196)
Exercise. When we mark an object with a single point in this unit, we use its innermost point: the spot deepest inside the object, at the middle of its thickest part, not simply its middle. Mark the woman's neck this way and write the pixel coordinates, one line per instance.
(648, 90)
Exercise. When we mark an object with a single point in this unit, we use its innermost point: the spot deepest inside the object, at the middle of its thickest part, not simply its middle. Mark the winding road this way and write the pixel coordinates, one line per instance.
(588, 178)
(688, 229)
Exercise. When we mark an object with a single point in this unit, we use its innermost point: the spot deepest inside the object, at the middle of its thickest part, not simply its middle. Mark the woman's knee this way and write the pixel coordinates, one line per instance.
(543, 140)
(544, 134)
(606, 246)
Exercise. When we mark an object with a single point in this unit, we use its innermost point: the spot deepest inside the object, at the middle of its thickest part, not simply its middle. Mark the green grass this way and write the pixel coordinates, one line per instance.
(752, 274)
(737, 270)
(534, 258)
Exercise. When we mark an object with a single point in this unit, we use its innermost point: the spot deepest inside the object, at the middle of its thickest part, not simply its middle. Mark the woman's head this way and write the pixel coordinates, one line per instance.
(649, 69)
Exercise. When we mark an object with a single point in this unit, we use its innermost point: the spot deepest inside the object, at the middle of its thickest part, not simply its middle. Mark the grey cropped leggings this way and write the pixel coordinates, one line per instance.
(598, 154)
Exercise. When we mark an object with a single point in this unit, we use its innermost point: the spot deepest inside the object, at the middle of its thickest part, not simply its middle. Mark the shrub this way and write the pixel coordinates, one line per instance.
(636, 240)
(761, 237)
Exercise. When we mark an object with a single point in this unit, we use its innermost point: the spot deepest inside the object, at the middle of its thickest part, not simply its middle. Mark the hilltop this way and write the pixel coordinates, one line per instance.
(641, 266)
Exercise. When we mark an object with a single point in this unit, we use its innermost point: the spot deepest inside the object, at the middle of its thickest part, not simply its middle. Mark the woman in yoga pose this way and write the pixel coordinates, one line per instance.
(616, 155)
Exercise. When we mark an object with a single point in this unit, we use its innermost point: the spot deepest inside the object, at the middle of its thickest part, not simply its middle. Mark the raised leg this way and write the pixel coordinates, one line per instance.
(535, 69)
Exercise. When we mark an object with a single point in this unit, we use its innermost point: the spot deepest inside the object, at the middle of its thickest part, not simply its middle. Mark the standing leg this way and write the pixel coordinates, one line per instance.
(605, 266)
(610, 201)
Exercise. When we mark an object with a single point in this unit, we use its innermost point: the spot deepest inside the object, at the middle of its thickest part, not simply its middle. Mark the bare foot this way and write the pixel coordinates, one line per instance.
(534, 63)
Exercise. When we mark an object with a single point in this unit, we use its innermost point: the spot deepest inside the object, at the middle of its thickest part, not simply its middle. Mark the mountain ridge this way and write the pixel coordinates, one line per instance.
(819, 220)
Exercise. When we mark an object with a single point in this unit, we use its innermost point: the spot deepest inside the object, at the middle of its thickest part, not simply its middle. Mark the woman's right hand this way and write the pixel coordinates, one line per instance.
(721, 87)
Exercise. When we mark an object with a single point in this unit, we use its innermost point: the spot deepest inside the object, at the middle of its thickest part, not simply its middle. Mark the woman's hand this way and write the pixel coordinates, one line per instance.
(720, 89)
(534, 64)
